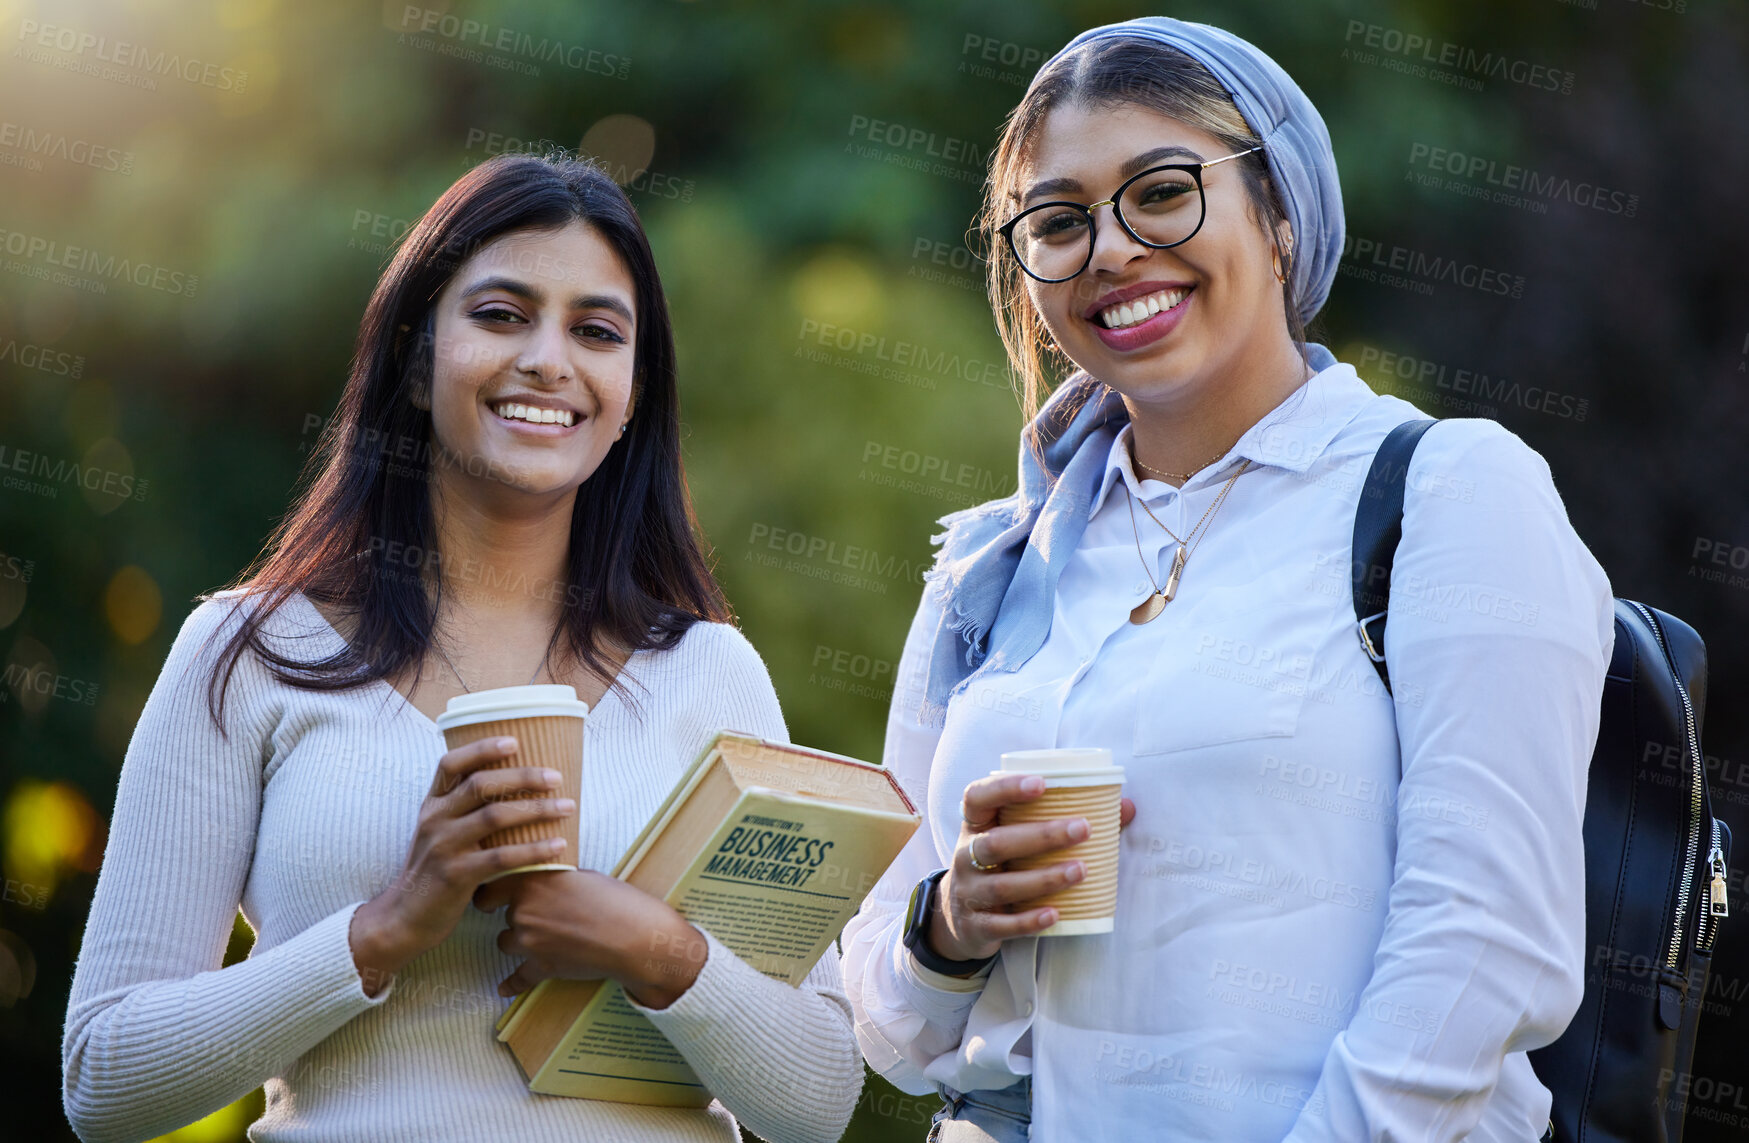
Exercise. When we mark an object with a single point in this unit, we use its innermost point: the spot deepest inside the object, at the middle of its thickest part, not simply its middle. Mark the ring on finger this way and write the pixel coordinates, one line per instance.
(972, 852)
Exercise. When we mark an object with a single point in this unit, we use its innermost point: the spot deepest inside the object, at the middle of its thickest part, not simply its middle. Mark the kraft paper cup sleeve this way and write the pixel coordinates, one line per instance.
(547, 722)
(1079, 782)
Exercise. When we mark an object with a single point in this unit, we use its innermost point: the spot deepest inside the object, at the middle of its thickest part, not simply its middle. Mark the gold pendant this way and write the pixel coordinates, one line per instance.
(1178, 561)
(1148, 610)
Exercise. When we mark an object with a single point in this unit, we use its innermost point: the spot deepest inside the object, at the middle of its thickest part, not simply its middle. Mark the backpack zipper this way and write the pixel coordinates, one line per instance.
(1696, 794)
(1718, 904)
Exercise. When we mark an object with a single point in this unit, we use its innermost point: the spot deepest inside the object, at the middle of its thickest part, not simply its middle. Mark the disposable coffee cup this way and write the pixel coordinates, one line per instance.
(547, 723)
(1080, 782)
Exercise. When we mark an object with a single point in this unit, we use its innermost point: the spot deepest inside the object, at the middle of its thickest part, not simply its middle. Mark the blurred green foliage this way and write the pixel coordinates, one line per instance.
(797, 256)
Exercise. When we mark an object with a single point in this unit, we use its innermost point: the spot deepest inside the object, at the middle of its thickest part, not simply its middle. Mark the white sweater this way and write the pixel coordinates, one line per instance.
(307, 809)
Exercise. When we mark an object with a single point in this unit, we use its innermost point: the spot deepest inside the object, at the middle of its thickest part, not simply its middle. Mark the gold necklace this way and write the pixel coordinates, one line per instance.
(1150, 608)
(1174, 475)
(438, 647)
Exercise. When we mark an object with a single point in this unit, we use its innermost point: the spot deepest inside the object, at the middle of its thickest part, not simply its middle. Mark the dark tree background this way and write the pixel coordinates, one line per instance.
(195, 200)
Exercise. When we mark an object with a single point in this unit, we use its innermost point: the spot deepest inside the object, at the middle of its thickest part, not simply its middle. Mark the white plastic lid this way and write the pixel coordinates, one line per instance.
(1058, 760)
(1065, 766)
(545, 700)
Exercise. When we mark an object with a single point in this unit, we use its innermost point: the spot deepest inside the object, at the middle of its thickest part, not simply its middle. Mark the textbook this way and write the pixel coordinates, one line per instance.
(771, 847)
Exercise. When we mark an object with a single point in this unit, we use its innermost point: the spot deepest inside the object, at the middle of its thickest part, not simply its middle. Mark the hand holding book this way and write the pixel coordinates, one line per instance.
(584, 925)
(767, 846)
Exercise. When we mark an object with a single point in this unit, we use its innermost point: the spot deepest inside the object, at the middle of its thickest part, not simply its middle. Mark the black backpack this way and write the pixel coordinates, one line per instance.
(1655, 857)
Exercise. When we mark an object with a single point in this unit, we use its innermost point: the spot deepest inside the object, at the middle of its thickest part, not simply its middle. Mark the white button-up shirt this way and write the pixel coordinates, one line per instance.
(1341, 916)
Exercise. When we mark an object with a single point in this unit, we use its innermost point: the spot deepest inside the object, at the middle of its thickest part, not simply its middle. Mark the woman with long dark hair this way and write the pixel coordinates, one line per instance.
(1342, 913)
(498, 501)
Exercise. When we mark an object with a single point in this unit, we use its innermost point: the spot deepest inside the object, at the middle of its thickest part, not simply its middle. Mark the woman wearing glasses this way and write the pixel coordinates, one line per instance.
(1343, 913)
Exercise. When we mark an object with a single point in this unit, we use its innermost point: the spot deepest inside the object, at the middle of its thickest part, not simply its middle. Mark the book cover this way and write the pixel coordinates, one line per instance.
(771, 847)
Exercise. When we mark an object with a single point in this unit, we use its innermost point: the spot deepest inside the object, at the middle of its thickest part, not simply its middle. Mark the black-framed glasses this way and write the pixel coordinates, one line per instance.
(1160, 207)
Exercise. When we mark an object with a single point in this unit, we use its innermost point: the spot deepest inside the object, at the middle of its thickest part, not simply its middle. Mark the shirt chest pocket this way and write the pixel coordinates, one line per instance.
(1239, 665)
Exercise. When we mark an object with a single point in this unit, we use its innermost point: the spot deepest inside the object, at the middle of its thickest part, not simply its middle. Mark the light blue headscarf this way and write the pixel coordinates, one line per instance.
(996, 574)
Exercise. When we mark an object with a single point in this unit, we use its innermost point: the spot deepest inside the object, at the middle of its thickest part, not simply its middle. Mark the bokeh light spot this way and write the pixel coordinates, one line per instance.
(622, 144)
(837, 287)
(134, 604)
(50, 830)
(17, 969)
(31, 673)
(243, 13)
(106, 477)
(222, 1126)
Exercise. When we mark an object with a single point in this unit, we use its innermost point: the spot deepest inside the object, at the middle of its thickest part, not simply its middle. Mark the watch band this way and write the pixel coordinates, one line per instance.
(916, 937)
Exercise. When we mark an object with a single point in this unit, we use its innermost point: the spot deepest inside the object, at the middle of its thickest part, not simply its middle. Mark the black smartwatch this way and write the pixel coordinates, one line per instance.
(916, 938)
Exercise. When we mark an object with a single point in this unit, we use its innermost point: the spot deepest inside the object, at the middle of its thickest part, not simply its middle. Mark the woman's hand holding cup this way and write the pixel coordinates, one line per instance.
(979, 904)
(468, 801)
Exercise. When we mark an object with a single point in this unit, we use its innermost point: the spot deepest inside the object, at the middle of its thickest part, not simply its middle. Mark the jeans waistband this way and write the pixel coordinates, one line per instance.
(1014, 1100)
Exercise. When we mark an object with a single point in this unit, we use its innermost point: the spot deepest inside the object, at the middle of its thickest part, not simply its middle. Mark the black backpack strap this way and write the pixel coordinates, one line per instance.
(1378, 526)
